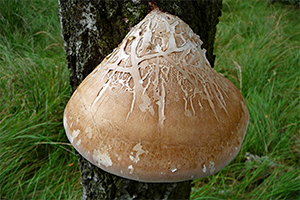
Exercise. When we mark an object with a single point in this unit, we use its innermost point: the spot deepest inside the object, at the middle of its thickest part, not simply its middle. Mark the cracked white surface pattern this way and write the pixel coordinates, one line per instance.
(162, 49)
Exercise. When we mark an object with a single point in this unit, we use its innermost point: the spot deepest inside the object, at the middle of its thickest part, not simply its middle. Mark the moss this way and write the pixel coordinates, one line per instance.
(134, 11)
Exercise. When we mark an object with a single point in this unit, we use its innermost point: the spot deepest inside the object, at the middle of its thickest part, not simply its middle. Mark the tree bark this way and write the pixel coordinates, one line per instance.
(91, 30)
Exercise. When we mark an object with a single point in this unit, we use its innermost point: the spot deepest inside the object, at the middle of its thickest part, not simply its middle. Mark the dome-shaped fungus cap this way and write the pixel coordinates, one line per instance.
(154, 110)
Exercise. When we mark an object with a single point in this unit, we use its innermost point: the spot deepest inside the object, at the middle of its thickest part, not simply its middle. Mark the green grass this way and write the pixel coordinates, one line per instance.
(257, 48)
(34, 152)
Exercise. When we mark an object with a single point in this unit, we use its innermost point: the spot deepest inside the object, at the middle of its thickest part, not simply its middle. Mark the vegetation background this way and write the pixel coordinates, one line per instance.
(257, 48)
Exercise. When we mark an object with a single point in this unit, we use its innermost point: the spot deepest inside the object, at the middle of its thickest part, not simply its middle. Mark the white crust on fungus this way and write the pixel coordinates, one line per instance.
(75, 133)
(102, 157)
(161, 49)
(139, 151)
(89, 132)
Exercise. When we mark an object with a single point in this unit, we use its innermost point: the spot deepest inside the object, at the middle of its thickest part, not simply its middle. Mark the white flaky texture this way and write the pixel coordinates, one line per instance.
(154, 110)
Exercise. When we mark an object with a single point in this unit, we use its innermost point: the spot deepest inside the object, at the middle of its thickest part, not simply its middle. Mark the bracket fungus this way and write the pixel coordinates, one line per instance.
(154, 110)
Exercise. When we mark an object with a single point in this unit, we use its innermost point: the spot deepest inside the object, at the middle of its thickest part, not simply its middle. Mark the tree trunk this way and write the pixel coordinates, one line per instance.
(91, 30)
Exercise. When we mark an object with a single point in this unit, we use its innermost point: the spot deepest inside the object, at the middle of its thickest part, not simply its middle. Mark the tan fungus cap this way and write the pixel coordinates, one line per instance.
(154, 110)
